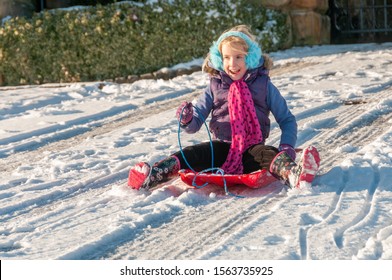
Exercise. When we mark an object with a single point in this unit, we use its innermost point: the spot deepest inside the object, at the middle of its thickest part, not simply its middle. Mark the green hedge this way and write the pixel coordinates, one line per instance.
(104, 42)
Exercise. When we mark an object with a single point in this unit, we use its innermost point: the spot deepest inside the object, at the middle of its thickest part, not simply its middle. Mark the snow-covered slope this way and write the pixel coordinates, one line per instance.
(65, 152)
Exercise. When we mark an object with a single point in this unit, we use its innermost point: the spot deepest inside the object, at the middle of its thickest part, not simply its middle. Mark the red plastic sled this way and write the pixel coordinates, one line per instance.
(257, 179)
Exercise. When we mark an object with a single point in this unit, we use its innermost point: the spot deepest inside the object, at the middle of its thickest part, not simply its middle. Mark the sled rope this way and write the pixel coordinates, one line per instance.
(217, 170)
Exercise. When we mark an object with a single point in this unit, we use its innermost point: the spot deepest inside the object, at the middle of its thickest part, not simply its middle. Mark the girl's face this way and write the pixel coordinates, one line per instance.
(234, 61)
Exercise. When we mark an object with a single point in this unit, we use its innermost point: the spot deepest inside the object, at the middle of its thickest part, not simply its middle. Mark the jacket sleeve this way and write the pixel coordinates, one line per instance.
(200, 113)
(285, 119)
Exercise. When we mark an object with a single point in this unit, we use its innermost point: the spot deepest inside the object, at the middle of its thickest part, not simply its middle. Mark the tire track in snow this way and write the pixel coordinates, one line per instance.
(354, 125)
(47, 200)
(87, 130)
(247, 223)
(197, 231)
(234, 227)
(368, 131)
(341, 125)
(44, 203)
(73, 215)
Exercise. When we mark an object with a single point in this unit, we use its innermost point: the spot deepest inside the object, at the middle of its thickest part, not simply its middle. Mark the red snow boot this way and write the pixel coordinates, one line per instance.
(138, 175)
(143, 176)
(284, 168)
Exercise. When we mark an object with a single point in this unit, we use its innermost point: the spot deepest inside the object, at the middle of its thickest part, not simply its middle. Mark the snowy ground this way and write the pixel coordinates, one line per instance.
(65, 152)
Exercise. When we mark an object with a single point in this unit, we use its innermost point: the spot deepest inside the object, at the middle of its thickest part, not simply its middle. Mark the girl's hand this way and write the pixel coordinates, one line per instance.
(289, 150)
(187, 113)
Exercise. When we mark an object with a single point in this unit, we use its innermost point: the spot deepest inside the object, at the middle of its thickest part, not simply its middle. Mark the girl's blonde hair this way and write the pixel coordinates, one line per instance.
(236, 43)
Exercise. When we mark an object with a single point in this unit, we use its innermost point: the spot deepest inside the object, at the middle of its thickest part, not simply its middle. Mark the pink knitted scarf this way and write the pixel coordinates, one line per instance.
(245, 127)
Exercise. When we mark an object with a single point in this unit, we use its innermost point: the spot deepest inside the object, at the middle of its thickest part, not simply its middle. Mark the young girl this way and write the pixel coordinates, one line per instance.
(239, 98)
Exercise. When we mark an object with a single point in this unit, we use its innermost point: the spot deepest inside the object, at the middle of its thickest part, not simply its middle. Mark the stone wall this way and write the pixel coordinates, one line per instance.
(307, 18)
(16, 8)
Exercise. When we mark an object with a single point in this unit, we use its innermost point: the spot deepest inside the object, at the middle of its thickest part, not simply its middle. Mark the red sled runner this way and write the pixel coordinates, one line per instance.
(257, 179)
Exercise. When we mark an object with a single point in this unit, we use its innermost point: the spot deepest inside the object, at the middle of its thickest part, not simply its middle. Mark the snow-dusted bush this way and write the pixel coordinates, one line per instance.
(127, 38)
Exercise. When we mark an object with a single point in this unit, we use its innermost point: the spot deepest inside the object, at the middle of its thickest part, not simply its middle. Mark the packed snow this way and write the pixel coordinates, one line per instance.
(66, 149)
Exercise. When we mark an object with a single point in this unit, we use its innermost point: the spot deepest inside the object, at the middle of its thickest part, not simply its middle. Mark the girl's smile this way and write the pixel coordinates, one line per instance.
(233, 61)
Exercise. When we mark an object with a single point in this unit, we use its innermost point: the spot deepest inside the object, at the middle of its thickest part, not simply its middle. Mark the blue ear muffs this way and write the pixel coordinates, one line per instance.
(252, 58)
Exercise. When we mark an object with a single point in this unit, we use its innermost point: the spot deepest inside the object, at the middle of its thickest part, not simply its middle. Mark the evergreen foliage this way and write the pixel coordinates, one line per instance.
(125, 38)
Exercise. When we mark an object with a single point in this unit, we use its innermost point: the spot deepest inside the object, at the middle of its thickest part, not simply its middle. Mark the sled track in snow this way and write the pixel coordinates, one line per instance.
(368, 202)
